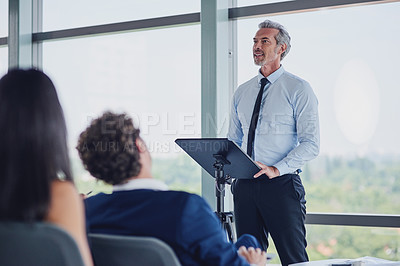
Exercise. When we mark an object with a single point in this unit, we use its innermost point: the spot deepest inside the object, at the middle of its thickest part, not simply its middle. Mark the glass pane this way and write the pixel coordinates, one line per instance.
(258, 2)
(3, 60)
(339, 51)
(3, 18)
(59, 14)
(144, 74)
(349, 242)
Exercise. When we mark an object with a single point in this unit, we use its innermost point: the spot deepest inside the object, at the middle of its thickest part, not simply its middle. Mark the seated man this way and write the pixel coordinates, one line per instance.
(112, 151)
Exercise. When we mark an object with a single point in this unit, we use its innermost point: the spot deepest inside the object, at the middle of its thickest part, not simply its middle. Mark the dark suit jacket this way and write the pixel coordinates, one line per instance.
(183, 220)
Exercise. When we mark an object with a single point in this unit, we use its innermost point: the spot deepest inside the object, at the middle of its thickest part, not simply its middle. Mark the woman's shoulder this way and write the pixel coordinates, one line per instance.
(64, 200)
(67, 211)
(63, 188)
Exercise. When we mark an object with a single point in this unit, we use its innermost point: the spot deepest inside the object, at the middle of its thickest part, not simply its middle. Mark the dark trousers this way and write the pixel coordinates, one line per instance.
(273, 206)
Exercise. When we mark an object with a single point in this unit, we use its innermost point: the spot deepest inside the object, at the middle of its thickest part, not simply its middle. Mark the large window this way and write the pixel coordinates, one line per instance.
(3, 18)
(154, 76)
(340, 52)
(3, 60)
(60, 14)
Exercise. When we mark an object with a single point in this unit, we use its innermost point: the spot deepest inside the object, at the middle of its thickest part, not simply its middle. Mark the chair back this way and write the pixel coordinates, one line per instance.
(37, 244)
(119, 250)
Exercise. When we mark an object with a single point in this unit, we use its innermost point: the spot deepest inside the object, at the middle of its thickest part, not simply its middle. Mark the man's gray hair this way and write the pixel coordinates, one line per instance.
(282, 37)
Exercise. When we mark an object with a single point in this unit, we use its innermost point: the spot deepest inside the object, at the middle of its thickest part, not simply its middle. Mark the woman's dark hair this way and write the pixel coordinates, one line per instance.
(108, 148)
(33, 148)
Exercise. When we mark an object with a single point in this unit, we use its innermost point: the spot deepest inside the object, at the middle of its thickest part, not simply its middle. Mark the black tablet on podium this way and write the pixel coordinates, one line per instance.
(205, 151)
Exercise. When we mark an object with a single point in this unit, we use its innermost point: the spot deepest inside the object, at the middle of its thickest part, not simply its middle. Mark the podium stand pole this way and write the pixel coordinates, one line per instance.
(226, 218)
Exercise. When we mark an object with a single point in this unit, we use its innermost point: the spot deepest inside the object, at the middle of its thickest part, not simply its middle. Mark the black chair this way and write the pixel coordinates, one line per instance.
(119, 250)
(37, 244)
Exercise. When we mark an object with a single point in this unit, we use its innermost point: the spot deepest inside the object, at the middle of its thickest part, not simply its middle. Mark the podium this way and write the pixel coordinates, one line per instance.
(223, 160)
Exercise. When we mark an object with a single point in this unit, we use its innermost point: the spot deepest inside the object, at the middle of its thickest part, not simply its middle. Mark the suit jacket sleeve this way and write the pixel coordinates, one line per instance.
(203, 236)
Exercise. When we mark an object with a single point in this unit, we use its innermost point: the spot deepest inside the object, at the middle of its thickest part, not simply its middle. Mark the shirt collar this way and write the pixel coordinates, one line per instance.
(141, 183)
(273, 76)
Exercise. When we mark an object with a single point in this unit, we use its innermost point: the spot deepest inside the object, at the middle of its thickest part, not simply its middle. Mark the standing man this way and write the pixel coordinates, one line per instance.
(274, 117)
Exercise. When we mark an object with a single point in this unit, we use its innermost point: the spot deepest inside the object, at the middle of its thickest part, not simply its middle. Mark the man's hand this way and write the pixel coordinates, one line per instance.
(253, 256)
(270, 171)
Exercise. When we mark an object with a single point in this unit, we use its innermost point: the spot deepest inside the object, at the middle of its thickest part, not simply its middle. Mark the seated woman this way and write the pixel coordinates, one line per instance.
(35, 176)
